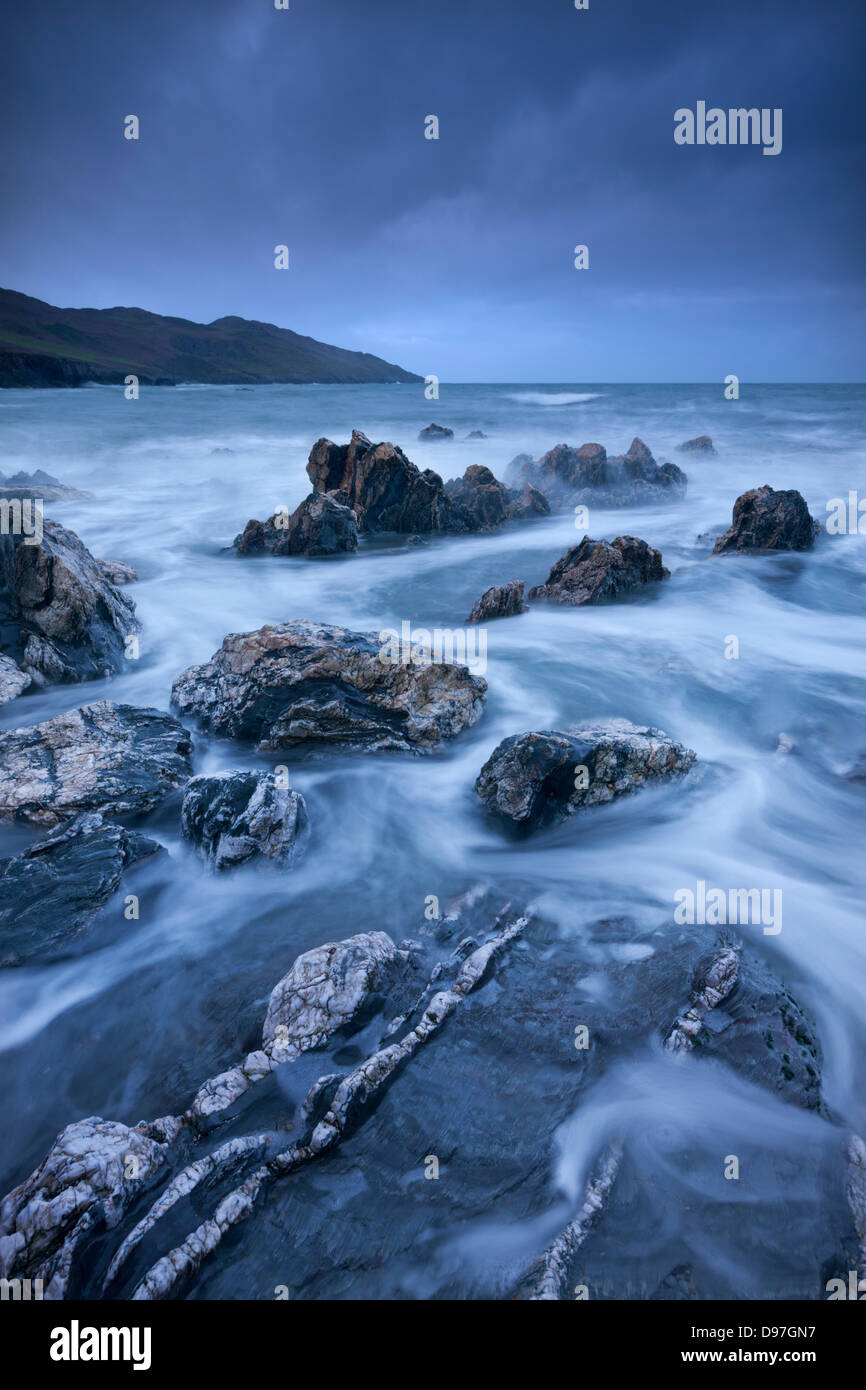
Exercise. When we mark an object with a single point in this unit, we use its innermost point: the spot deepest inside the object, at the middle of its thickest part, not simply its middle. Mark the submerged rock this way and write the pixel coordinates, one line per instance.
(302, 682)
(768, 520)
(502, 601)
(51, 892)
(483, 503)
(587, 475)
(116, 572)
(701, 445)
(597, 570)
(319, 526)
(476, 434)
(67, 621)
(104, 757)
(241, 816)
(12, 680)
(436, 432)
(532, 779)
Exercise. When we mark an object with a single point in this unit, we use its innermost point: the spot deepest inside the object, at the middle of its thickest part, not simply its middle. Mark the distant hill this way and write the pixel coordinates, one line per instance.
(44, 346)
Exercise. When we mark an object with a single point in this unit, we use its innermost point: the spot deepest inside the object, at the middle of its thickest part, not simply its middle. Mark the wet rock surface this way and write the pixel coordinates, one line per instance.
(61, 620)
(239, 817)
(502, 601)
(502, 1014)
(533, 779)
(104, 757)
(434, 432)
(595, 571)
(290, 684)
(587, 474)
(319, 526)
(50, 894)
(765, 519)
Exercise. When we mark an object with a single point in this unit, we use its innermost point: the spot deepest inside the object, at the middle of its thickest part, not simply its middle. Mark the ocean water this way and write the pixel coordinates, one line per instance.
(130, 1026)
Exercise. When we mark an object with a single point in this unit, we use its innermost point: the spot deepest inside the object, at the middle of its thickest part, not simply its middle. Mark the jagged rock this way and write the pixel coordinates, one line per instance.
(116, 572)
(241, 816)
(387, 492)
(12, 680)
(531, 779)
(502, 601)
(597, 570)
(62, 621)
(303, 682)
(476, 434)
(41, 485)
(484, 503)
(93, 1171)
(436, 432)
(587, 475)
(51, 892)
(319, 526)
(767, 520)
(114, 759)
(702, 445)
(382, 486)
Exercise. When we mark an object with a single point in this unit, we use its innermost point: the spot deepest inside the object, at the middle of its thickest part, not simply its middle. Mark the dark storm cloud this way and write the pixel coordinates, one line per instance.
(556, 127)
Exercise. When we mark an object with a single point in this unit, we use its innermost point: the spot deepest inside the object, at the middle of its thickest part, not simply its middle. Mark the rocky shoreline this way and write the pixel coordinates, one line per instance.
(87, 1219)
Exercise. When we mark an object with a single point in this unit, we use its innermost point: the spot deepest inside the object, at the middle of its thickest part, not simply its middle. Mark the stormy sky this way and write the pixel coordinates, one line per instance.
(306, 127)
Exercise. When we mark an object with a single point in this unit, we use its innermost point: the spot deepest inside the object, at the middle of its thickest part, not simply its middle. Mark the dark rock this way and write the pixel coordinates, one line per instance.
(301, 682)
(319, 526)
(502, 601)
(768, 520)
(221, 449)
(532, 779)
(241, 816)
(484, 503)
(113, 759)
(476, 434)
(61, 620)
(50, 894)
(436, 432)
(597, 570)
(382, 486)
(702, 445)
(587, 475)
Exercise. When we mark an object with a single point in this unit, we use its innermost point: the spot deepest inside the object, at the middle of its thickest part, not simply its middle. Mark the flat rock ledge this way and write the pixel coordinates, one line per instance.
(596, 571)
(104, 757)
(239, 817)
(296, 683)
(533, 779)
(50, 894)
